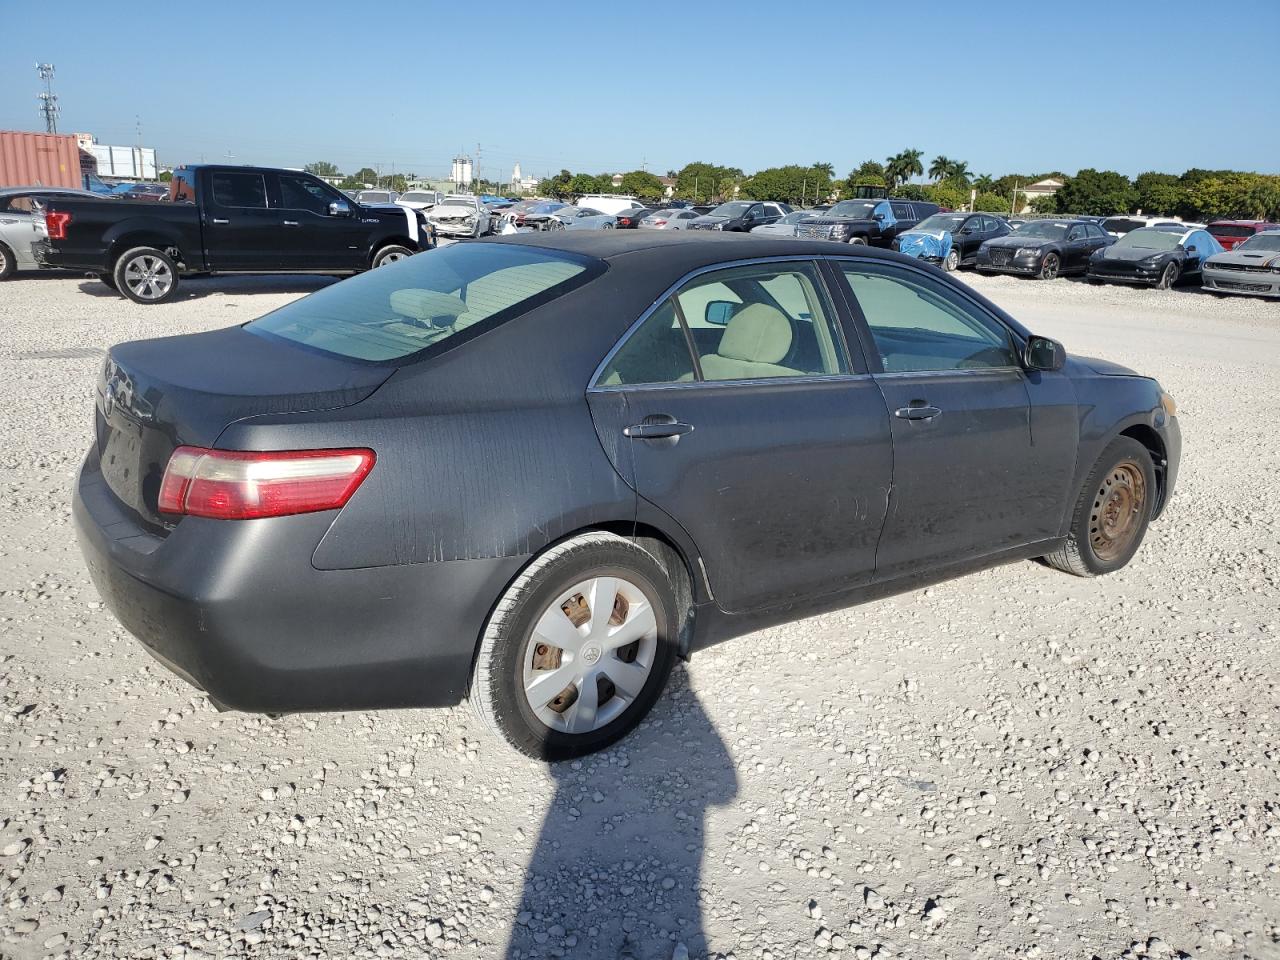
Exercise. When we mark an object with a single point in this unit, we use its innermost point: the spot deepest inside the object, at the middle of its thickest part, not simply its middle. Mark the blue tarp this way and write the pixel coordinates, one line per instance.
(927, 244)
(884, 210)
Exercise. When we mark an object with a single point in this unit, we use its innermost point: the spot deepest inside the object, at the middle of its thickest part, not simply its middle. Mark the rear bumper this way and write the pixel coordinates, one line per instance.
(237, 609)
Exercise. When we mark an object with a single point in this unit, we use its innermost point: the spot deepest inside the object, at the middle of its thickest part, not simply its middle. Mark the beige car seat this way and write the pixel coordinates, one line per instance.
(753, 342)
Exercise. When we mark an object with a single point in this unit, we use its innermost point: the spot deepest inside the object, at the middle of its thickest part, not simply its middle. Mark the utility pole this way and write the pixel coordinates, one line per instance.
(475, 174)
(48, 99)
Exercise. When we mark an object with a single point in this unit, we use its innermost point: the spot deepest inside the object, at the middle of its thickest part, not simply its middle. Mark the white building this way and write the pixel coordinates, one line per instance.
(460, 172)
(521, 182)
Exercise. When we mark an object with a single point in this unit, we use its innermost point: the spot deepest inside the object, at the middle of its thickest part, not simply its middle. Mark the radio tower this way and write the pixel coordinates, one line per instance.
(48, 99)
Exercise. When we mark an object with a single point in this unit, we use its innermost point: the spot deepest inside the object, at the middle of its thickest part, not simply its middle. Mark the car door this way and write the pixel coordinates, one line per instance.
(765, 442)
(314, 238)
(966, 480)
(969, 237)
(241, 230)
(1076, 248)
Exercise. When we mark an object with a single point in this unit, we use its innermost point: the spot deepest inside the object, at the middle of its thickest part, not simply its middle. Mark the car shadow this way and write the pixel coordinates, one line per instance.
(617, 869)
(196, 288)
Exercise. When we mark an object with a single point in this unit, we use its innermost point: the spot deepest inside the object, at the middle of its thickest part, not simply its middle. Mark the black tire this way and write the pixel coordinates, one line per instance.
(497, 694)
(1050, 267)
(1090, 550)
(8, 263)
(132, 268)
(390, 254)
(109, 280)
(1168, 276)
(858, 241)
(952, 261)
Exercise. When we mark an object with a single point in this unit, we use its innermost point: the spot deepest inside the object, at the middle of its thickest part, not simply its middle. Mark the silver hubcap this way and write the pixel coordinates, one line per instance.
(149, 277)
(391, 257)
(590, 655)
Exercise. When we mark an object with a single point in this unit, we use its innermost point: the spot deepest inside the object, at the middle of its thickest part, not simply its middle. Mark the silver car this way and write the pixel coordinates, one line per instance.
(581, 218)
(786, 226)
(460, 215)
(21, 226)
(1252, 268)
(677, 218)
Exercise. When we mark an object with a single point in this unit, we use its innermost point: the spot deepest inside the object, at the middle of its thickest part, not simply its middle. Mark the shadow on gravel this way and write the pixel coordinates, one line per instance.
(196, 288)
(617, 870)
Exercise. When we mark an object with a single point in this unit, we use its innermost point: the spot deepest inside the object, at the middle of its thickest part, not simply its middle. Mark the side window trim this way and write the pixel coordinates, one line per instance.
(688, 338)
(853, 357)
(866, 341)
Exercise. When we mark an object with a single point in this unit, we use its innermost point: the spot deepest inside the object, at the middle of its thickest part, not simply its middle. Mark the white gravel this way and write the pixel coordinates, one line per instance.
(1016, 764)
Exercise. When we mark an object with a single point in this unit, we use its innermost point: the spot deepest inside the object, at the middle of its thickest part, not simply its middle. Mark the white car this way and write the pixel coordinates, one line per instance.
(374, 197)
(419, 199)
(1119, 226)
(581, 218)
(676, 218)
(607, 204)
(460, 215)
(787, 226)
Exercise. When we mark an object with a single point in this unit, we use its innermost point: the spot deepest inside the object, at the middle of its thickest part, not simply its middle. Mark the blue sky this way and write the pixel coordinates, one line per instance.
(1009, 87)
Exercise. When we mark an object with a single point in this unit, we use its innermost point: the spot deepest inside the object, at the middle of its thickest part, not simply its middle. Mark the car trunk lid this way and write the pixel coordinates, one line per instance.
(155, 395)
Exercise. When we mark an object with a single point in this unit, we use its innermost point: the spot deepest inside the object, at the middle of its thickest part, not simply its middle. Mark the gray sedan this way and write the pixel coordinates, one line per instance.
(1252, 268)
(20, 227)
(581, 218)
(676, 218)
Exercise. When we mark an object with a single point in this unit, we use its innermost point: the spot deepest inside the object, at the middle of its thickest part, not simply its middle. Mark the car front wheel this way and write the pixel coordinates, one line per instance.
(391, 253)
(1050, 266)
(7, 263)
(1111, 513)
(578, 648)
(1168, 277)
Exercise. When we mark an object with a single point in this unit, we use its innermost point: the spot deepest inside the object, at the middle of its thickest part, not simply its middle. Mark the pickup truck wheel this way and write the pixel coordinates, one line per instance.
(146, 275)
(7, 263)
(858, 241)
(578, 648)
(1112, 512)
(390, 254)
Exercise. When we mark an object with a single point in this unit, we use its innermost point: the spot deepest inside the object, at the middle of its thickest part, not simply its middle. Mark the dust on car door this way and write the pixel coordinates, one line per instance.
(747, 421)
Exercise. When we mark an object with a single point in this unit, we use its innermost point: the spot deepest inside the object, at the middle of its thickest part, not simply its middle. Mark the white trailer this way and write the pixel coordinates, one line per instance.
(124, 163)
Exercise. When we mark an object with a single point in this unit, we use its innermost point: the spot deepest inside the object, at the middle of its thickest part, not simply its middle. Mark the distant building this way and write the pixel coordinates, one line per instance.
(1042, 188)
(461, 171)
(522, 183)
(668, 186)
(616, 180)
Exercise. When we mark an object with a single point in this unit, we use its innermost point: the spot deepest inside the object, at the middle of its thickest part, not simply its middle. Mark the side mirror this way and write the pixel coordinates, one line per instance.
(339, 208)
(1044, 354)
(719, 312)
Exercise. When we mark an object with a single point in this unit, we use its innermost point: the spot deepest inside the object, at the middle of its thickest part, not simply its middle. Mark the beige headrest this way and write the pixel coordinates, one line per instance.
(426, 304)
(758, 332)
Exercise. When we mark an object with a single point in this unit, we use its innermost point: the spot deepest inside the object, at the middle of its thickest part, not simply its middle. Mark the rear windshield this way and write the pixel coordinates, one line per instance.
(1230, 230)
(403, 308)
(1122, 224)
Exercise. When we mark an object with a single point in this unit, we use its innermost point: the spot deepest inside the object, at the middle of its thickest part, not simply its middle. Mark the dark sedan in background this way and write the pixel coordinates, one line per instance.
(1156, 256)
(968, 232)
(683, 438)
(1044, 249)
(630, 219)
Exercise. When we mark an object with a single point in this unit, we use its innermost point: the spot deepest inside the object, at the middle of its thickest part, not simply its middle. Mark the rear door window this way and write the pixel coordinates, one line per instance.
(240, 190)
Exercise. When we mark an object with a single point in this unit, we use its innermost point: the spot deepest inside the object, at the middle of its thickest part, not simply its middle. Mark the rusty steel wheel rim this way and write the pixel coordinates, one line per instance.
(1118, 509)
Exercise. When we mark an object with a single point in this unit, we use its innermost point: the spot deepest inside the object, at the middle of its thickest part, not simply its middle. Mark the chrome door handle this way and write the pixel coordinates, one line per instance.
(658, 430)
(291, 223)
(219, 220)
(921, 411)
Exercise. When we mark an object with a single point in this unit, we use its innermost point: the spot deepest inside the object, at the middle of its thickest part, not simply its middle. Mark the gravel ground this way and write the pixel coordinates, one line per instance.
(1015, 764)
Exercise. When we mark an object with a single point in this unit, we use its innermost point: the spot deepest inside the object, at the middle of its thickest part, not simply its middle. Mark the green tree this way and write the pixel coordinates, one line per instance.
(868, 173)
(728, 187)
(902, 166)
(1101, 193)
(940, 169)
(792, 183)
(1159, 193)
(991, 202)
(322, 168)
(557, 186)
(398, 182)
(581, 184)
(365, 175)
(701, 181)
(1232, 196)
(959, 173)
(642, 184)
(983, 183)
(165, 176)
(1045, 203)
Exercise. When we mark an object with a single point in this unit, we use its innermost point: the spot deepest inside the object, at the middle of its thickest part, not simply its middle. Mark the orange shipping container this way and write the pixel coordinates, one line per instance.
(39, 159)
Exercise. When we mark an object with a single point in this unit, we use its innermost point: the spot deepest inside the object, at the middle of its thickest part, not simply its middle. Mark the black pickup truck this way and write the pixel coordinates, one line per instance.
(221, 220)
(865, 221)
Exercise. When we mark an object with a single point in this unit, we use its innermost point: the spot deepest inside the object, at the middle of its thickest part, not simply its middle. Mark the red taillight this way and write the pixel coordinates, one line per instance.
(240, 485)
(659, 223)
(55, 224)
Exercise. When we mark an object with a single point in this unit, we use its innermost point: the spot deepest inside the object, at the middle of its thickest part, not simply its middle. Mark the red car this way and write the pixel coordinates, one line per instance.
(1232, 233)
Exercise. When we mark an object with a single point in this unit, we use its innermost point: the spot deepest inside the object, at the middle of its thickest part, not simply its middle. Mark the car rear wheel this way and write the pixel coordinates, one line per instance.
(7, 262)
(391, 253)
(952, 262)
(578, 649)
(1050, 266)
(1168, 276)
(606, 226)
(555, 225)
(146, 275)
(1111, 513)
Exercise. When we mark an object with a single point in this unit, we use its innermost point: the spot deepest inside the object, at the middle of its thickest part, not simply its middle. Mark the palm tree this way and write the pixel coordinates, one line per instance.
(903, 166)
(983, 183)
(959, 172)
(940, 169)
